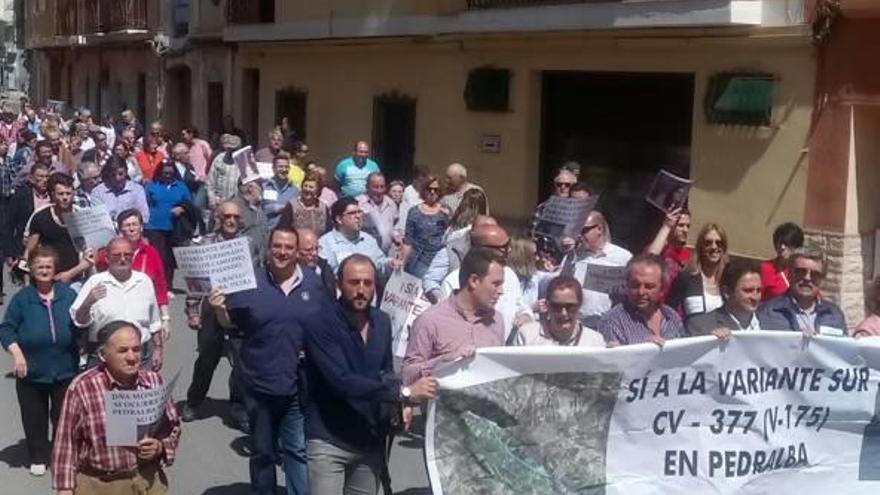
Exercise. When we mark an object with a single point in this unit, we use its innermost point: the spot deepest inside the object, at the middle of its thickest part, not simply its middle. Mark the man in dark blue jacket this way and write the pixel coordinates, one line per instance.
(351, 383)
(803, 308)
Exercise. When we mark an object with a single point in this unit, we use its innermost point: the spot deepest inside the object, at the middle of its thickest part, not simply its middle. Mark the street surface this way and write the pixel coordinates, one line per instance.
(210, 460)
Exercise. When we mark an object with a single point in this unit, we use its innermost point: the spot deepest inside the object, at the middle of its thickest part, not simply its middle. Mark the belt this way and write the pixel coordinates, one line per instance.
(108, 476)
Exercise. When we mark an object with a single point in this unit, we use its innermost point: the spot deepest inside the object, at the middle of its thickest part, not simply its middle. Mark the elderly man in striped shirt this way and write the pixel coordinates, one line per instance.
(642, 317)
(82, 463)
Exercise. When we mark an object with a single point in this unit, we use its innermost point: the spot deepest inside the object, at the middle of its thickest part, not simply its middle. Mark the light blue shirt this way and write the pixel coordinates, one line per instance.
(335, 247)
(352, 179)
(275, 198)
(437, 271)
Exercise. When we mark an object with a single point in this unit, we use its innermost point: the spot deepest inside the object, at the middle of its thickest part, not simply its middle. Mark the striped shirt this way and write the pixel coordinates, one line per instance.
(81, 438)
(624, 325)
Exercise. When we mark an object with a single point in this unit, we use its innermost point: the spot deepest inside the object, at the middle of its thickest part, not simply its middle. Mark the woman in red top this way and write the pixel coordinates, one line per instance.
(150, 157)
(774, 273)
(146, 260)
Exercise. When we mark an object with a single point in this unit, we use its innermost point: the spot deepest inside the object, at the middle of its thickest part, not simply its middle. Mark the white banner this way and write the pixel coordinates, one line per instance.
(768, 412)
(226, 266)
(90, 227)
(404, 302)
(134, 414)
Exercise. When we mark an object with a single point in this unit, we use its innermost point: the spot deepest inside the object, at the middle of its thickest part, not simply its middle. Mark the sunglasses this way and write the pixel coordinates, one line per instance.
(588, 228)
(713, 242)
(564, 184)
(504, 248)
(558, 307)
(121, 256)
(803, 273)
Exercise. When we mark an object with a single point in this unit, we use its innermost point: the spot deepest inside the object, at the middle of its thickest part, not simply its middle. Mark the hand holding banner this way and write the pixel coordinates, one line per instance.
(226, 266)
(90, 228)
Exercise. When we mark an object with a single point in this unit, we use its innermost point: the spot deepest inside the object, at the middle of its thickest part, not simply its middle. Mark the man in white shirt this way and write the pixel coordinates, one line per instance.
(595, 248)
(121, 294)
(510, 304)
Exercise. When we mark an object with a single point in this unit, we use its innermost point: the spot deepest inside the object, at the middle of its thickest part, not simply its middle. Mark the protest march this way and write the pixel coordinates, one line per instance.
(362, 311)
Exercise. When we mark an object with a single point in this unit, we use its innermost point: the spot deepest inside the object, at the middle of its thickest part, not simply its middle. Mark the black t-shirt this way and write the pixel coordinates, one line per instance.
(56, 237)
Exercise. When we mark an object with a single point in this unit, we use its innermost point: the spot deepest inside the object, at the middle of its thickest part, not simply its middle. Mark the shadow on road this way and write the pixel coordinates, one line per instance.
(241, 446)
(15, 456)
(414, 491)
(233, 489)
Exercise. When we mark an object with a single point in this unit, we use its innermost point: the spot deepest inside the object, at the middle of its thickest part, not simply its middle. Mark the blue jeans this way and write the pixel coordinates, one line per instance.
(277, 427)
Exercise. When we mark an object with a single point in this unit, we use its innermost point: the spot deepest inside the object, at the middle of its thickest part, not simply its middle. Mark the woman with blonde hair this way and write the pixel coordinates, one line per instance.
(696, 290)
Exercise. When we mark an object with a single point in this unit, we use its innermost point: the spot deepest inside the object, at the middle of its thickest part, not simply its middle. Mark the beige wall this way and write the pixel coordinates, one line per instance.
(751, 179)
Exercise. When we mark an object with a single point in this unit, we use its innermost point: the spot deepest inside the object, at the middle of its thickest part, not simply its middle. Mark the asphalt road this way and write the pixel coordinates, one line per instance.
(210, 460)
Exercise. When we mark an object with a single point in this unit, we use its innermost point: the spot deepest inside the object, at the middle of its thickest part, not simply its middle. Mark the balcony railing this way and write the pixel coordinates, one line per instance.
(250, 11)
(83, 17)
(492, 4)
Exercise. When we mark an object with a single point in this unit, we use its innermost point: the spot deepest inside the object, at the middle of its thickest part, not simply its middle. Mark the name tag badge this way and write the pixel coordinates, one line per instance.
(831, 331)
(305, 295)
(269, 195)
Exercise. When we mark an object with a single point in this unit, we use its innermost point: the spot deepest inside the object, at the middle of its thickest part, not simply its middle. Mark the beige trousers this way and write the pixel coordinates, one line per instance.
(152, 482)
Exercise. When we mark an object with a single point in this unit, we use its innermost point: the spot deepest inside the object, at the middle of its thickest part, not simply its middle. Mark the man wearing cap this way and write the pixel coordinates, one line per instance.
(222, 180)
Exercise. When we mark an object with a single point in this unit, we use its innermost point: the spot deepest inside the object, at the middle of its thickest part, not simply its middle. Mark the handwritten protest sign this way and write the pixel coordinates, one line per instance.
(404, 302)
(226, 266)
(561, 217)
(669, 191)
(264, 169)
(90, 227)
(765, 412)
(134, 414)
(605, 279)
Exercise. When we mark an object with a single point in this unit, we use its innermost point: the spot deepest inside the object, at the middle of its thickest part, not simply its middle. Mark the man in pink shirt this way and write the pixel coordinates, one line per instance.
(461, 323)
(199, 151)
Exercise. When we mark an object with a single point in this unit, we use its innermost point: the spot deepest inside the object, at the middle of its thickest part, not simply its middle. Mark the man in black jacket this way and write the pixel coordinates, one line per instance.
(740, 287)
(308, 258)
(351, 382)
(29, 197)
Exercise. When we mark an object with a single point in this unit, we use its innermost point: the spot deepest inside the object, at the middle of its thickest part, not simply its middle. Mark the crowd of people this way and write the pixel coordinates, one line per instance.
(314, 381)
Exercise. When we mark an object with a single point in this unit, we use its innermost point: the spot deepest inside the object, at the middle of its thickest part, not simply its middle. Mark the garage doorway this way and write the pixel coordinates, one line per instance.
(621, 128)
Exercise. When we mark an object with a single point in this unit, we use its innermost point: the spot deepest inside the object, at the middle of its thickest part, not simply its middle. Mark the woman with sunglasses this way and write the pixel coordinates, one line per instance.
(560, 325)
(696, 290)
(425, 229)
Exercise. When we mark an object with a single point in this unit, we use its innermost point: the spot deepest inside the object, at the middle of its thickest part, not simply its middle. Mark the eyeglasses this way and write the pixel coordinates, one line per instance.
(564, 184)
(558, 307)
(504, 249)
(803, 273)
(588, 228)
(121, 256)
(713, 242)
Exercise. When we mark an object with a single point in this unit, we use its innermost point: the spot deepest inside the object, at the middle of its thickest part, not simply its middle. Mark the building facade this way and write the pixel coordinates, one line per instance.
(768, 105)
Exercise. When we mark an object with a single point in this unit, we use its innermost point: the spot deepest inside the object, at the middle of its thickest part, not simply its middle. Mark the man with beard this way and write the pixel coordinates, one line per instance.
(642, 317)
(741, 290)
(803, 308)
(351, 375)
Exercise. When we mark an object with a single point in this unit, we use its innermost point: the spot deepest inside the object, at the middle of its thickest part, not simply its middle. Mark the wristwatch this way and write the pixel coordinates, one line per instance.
(406, 393)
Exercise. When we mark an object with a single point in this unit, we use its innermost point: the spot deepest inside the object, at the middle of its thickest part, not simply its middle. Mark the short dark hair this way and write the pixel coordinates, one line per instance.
(40, 166)
(650, 260)
(281, 156)
(735, 270)
(340, 206)
(581, 187)
(564, 282)
(284, 229)
(354, 258)
(43, 144)
(374, 175)
(126, 214)
(114, 163)
(477, 262)
(790, 234)
(107, 331)
(28, 135)
(157, 174)
(60, 178)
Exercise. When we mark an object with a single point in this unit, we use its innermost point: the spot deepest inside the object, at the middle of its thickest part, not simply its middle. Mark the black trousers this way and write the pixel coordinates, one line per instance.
(4, 229)
(213, 345)
(161, 240)
(40, 403)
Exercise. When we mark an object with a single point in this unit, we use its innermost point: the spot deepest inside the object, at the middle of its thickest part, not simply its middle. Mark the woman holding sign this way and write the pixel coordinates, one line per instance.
(38, 332)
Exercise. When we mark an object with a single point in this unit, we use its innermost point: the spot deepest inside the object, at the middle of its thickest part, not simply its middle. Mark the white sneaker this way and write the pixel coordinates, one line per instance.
(38, 469)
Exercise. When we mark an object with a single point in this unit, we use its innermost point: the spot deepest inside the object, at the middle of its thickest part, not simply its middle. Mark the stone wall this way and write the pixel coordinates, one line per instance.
(850, 266)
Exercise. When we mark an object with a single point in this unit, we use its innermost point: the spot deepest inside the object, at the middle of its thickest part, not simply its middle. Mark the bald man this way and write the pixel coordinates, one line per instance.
(449, 259)
(307, 257)
(594, 248)
(456, 185)
(510, 304)
(352, 172)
